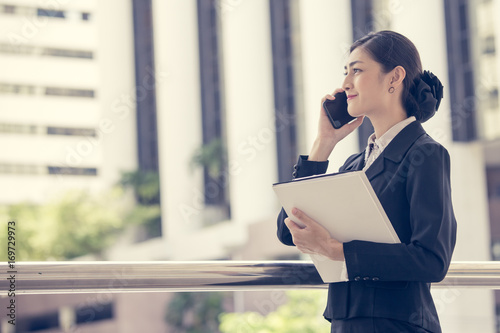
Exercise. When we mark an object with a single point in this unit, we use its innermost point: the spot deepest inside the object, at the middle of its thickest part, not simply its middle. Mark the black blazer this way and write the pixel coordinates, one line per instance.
(411, 178)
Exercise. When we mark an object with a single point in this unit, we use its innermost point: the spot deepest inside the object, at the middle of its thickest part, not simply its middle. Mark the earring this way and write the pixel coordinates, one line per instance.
(391, 90)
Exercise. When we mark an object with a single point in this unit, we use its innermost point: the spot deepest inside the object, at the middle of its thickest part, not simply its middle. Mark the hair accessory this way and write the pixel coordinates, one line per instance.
(428, 91)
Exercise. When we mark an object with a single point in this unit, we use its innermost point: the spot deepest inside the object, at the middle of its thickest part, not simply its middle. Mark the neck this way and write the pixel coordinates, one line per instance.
(383, 122)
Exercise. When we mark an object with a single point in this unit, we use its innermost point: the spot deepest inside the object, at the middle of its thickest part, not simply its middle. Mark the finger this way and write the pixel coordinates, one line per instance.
(327, 96)
(292, 226)
(302, 217)
(332, 95)
(338, 90)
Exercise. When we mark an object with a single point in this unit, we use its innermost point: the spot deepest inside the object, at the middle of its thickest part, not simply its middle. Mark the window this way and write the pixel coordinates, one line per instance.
(22, 89)
(16, 49)
(284, 34)
(362, 23)
(6, 88)
(44, 51)
(147, 138)
(484, 38)
(67, 53)
(90, 314)
(9, 9)
(38, 323)
(18, 128)
(50, 13)
(50, 130)
(460, 70)
(20, 169)
(86, 16)
(70, 171)
(71, 131)
(53, 91)
(489, 45)
(213, 132)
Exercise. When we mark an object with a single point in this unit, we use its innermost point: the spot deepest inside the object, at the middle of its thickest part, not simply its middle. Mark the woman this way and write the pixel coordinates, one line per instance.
(387, 287)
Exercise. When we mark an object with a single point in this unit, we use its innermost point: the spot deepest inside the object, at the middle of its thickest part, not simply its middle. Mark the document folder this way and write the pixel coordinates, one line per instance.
(345, 204)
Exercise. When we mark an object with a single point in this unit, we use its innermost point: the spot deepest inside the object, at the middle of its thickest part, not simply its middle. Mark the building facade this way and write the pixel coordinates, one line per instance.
(67, 116)
(242, 80)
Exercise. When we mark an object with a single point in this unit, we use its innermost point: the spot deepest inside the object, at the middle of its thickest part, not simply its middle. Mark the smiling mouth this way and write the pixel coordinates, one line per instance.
(349, 97)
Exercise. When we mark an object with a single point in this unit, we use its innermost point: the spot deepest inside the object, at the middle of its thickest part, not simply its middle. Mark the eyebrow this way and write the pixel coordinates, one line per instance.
(353, 63)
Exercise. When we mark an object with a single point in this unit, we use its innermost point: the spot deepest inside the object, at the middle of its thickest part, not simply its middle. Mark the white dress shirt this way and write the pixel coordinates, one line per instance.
(376, 146)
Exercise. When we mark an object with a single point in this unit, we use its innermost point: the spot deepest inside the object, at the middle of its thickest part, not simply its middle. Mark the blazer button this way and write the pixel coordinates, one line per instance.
(366, 278)
(375, 279)
(357, 278)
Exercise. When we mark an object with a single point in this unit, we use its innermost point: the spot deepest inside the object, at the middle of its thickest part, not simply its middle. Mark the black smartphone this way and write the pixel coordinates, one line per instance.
(336, 110)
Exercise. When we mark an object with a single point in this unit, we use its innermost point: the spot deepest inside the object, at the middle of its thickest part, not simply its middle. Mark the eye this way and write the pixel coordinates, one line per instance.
(354, 70)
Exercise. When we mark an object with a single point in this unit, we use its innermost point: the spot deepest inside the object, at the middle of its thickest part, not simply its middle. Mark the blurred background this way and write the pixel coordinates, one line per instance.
(154, 129)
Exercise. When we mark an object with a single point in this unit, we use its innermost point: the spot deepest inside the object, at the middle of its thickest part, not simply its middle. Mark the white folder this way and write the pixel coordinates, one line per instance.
(345, 204)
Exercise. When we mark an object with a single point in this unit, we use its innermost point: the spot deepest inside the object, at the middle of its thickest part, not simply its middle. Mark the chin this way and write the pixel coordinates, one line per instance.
(353, 112)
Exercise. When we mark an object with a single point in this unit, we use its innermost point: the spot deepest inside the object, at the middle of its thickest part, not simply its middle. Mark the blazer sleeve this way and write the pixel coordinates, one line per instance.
(303, 168)
(433, 230)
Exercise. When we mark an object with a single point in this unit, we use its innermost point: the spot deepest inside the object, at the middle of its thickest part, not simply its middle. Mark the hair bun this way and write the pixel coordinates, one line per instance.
(428, 92)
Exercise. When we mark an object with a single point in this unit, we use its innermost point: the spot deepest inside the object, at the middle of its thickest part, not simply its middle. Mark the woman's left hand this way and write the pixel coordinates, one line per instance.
(312, 237)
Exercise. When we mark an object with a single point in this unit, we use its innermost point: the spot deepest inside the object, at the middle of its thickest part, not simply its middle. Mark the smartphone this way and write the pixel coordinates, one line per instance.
(336, 110)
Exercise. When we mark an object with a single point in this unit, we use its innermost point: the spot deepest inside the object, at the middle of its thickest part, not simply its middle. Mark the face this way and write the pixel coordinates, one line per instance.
(365, 84)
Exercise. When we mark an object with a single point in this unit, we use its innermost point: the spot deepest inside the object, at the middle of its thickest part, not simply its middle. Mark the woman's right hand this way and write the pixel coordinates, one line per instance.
(328, 136)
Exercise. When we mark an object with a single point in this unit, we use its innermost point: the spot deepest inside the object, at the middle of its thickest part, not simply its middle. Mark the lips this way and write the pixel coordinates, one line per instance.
(349, 97)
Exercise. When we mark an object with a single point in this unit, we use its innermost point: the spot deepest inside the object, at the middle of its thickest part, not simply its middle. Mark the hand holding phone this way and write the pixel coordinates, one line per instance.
(336, 110)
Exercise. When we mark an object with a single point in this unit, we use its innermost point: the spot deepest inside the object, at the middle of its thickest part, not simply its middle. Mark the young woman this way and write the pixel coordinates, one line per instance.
(387, 287)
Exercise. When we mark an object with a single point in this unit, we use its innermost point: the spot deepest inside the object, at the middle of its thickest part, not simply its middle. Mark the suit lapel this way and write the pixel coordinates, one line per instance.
(396, 149)
(359, 162)
(376, 167)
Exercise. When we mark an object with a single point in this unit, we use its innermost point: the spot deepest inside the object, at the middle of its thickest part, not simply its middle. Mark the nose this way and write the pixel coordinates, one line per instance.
(346, 85)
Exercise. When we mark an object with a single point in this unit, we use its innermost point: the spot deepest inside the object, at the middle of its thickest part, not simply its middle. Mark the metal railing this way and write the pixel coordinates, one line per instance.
(159, 276)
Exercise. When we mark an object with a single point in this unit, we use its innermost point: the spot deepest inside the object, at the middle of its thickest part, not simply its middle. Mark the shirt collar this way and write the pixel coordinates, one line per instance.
(387, 137)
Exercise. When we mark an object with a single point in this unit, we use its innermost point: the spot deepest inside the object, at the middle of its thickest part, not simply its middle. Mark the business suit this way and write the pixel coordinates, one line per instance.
(411, 178)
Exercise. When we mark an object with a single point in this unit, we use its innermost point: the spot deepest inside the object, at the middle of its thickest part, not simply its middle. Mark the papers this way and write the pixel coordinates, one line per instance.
(345, 204)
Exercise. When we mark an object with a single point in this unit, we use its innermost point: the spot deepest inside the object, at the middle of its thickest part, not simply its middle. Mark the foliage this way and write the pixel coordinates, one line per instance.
(78, 223)
(302, 314)
(71, 226)
(195, 312)
(211, 156)
(147, 212)
(146, 185)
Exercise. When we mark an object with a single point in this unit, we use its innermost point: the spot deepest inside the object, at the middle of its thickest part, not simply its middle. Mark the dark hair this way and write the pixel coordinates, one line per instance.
(392, 49)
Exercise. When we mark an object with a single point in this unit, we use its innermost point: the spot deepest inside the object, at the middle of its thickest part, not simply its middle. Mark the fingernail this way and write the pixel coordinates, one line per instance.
(294, 211)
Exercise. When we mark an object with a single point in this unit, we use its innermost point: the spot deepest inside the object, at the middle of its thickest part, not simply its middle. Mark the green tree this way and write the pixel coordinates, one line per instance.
(146, 212)
(302, 314)
(73, 225)
(211, 156)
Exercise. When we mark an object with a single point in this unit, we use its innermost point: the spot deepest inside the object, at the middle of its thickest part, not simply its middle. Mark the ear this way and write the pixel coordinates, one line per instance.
(397, 76)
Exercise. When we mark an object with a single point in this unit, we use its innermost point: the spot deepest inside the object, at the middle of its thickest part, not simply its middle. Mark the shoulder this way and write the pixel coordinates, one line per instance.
(352, 162)
(426, 147)
(427, 159)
